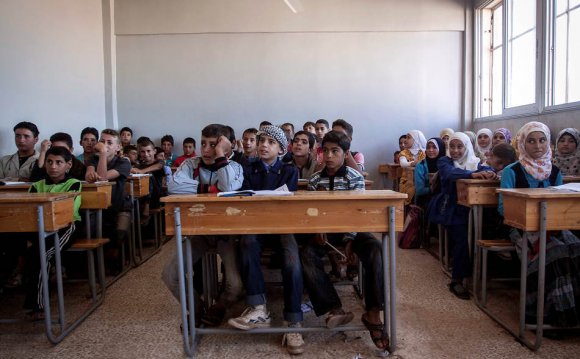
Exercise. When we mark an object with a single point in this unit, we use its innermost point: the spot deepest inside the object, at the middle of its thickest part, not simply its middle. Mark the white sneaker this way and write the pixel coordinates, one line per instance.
(252, 317)
(294, 343)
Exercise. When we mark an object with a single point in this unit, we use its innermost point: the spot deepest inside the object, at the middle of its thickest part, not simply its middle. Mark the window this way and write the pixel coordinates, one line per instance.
(527, 57)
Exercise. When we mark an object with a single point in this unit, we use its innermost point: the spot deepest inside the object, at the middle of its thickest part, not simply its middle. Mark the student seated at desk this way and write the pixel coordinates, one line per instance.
(188, 151)
(58, 163)
(89, 138)
(354, 159)
(501, 135)
(434, 151)
(562, 290)
(401, 147)
(443, 208)
(59, 139)
(18, 166)
(483, 144)
(107, 166)
(131, 153)
(337, 176)
(148, 164)
(268, 174)
(210, 173)
(413, 153)
(304, 154)
(567, 157)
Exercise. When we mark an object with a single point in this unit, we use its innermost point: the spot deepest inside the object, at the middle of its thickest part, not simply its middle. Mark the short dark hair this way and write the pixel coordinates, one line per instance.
(288, 124)
(231, 134)
(62, 137)
(59, 151)
(28, 126)
(505, 152)
(339, 138)
(143, 139)
(167, 138)
(129, 148)
(308, 123)
(347, 126)
(323, 121)
(213, 130)
(251, 130)
(90, 130)
(402, 137)
(311, 138)
(158, 149)
(189, 140)
(110, 132)
(126, 129)
(265, 123)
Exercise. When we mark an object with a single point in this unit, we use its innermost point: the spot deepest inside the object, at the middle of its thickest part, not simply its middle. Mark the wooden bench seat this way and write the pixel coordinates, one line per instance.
(494, 243)
(88, 244)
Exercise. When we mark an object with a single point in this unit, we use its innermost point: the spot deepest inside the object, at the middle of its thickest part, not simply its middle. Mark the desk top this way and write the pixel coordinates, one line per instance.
(18, 211)
(568, 179)
(25, 197)
(538, 193)
(475, 182)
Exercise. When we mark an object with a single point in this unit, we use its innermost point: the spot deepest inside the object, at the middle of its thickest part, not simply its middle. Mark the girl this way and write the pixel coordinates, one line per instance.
(435, 150)
(443, 208)
(445, 134)
(567, 157)
(58, 162)
(413, 153)
(401, 147)
(562, 290)
(483, 146)
(501, 135)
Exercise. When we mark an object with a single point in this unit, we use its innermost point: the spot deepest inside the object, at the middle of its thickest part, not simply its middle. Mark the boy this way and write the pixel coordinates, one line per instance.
(288, 129)
(167, 146)
(17, 167)
(149, 164)
(249, 145)
(59, 139)
(188, 151)
(132, 154)
(321, 127)
(337, 176)
(302, 157)
(126, 136)
(270, 173)
(89, 138)
(354, 160)
(309, 127)
(212, 172)
(107, 166)
(264, 123)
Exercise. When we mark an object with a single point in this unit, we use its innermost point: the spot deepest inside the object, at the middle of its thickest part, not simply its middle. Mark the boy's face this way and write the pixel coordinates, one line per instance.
(208, 149)
(496, 163)
(167, 147)
(536, 144)
(483, 140)
(456, 150)
(300, 145)
(288, 131)
(160, 156)
(268, 149)
(56, 167)
(88, 142)
(334, 156)
(24, 139)
(188, 149)
(566, 145)
(321, 130)
(249, 143)
(147, 154)
(431, 151)
(126, 137)
(111, 144)
(132, 156)
(310, 129)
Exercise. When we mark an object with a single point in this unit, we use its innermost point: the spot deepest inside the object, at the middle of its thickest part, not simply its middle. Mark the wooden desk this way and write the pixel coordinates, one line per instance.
(87, 188)
(537, 209)
(393, 171)
(303, 184)
(304, 212)
(568, 179)
(137, 186)
(44, 213)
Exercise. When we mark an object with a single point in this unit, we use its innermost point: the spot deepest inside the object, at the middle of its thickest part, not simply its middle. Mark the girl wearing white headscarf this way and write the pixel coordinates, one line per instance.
(414, 152)
(535, 170)
(461, 163)
(483, 143)
(567, 157)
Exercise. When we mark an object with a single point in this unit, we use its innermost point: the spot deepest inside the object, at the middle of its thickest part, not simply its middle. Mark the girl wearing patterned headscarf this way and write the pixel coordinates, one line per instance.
(501, 135)
(483, 145)
(461, 163)
(567, 157)
(535, 170)
(435, 150)
(413, 153)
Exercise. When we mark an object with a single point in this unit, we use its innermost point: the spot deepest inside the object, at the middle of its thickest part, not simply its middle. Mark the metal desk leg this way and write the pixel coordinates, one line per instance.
(390, 294)
(541, 275)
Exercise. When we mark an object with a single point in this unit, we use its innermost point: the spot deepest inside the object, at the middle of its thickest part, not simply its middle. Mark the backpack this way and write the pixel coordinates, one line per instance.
(409, 238)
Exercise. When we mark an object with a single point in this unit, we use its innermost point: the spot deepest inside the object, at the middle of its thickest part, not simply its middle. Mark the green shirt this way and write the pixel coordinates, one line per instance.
(68, 185)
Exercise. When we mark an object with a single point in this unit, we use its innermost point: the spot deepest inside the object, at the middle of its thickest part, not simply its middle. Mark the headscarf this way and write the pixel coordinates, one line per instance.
(484, 150)
(446, 132)
(276, 133)
(472, 137)
(432, 163)
(468, 161)
(420, 143)
(568, 164)
(506, 133)
(539, 168)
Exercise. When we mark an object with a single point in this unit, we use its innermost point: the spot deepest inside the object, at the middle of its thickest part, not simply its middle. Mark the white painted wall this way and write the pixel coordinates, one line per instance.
(385, 66)
(51, 67)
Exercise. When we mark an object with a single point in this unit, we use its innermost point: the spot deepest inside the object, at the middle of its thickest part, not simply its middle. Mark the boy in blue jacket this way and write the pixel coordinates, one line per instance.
(270, 173)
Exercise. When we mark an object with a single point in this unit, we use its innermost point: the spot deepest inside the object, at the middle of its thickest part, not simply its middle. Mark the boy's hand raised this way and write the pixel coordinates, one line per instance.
(100, 148)
(223, 146)
(45, 145)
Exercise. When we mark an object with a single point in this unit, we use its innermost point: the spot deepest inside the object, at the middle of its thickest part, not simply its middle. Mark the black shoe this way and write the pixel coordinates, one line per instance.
(459, 290)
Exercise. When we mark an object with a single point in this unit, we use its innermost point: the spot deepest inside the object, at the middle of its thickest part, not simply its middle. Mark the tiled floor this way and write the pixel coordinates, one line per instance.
(140, 320)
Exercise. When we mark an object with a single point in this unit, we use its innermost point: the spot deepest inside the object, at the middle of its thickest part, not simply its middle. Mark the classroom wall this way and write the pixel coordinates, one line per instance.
(51, 67)
(385, 66)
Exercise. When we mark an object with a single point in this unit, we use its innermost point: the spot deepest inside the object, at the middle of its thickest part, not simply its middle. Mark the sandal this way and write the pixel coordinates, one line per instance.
(214, 315)
(379, 337)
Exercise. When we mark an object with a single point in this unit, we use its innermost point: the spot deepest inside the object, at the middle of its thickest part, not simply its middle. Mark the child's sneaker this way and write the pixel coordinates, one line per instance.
(252, 317)
(294, 343)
